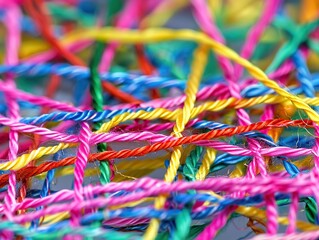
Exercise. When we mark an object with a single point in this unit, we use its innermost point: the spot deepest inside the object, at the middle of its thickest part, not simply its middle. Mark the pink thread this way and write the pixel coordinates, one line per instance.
(126, 19)
(12, 18)
(211, 230)
(151, 187)
(207, 23)
(293, 212)
(255, 33)
(80, 164)
(272, 214)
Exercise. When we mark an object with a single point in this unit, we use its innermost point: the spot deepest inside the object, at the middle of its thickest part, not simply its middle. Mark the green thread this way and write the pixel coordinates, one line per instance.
(300, 35)
(97, 103)
(311, 209)
(190, 169)
(96, 88)
(183, 219)
(62, 14)
(183, 223)
(193, 233)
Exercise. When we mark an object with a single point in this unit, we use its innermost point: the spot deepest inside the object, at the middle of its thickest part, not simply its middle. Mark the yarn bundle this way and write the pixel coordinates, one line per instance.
(171, 119)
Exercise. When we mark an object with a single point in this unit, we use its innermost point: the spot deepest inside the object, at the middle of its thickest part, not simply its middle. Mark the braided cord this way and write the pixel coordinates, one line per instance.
(97, 102)
(189, 169)
(272, 157)
(213, 106)
(198, 67)
(208, 160)
(23, 160)
(96, 88)
(12, 16)
(156, 35)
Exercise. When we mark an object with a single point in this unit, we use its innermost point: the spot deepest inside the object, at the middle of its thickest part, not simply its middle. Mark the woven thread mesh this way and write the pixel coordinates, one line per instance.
(117, 125)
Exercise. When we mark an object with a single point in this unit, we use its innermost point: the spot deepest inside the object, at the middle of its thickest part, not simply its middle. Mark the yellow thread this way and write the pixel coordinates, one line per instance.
(256, 73)
(69, 170)
(50, 219)
(208, 160)
(256, 213)
(245, 211)
(156, 35)
(239, 170)
(253, 212)
(133, 204)
(243, 12)
(198, 67)
(147, 165)
(24, 159)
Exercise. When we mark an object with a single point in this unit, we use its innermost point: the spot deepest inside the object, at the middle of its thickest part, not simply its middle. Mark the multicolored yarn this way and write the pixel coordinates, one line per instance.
(118, 124)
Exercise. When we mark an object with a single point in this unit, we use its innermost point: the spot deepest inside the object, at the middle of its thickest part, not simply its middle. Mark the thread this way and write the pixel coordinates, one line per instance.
(119, 121)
